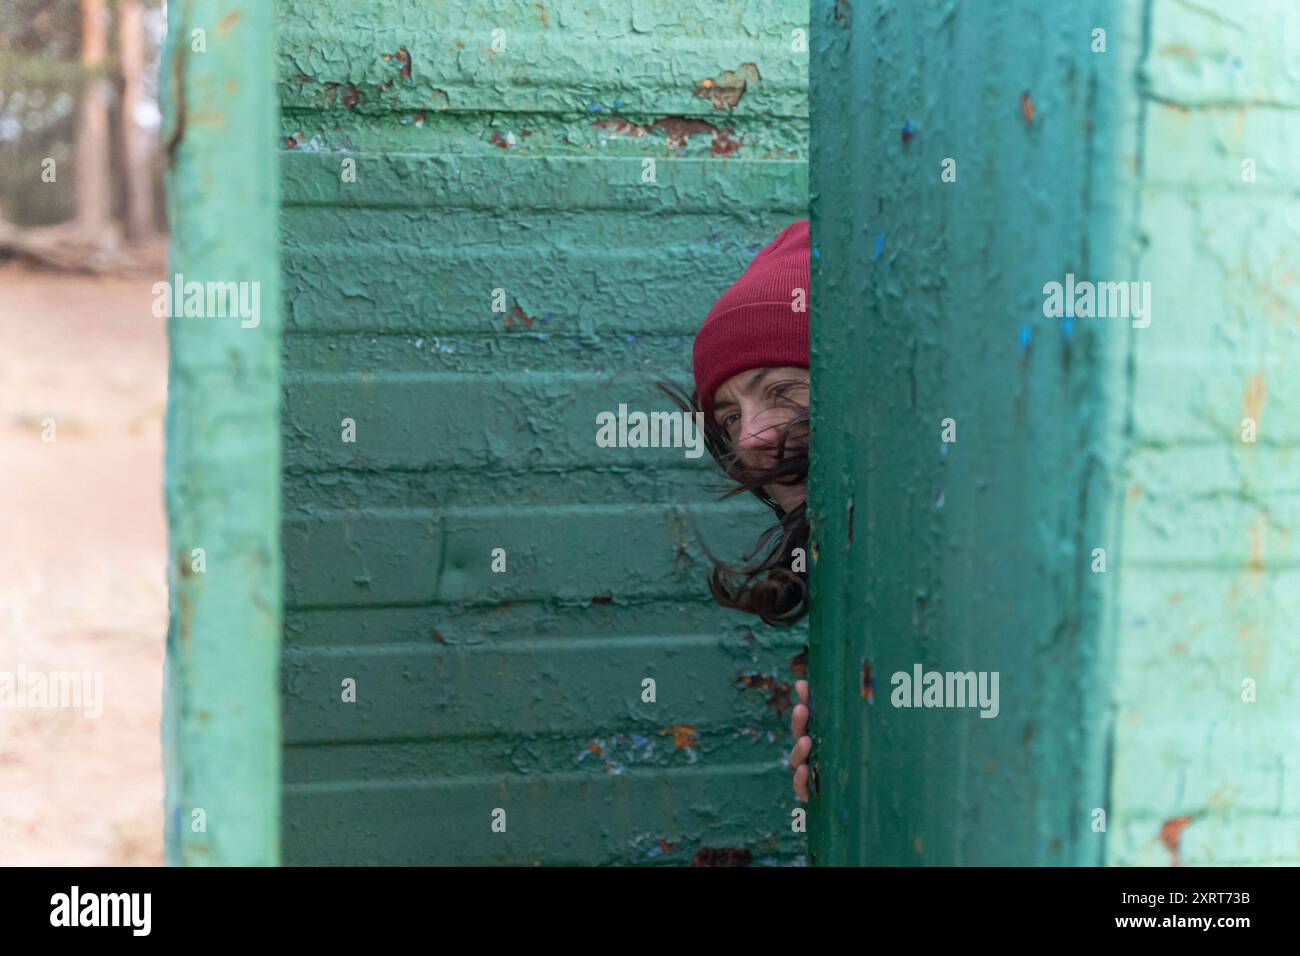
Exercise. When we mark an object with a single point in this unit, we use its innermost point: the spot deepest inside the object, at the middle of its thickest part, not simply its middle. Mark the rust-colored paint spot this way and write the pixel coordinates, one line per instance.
(1135, 492)
(186, 613)
(438, 638)
(1171, 835)
(518, 315)
(665, 847)
(726, 89)
(1028, 735)
(679, 129)
(684, 735)
(227, 23)
(1027, 107)
(232, 86)
(351, 97)
(602, 599)
(1255, 562)
(798, 663)
(621, 127)
(541, 15)
(723, 144)
(850, 519)
(722, 856)
(917, 845)
(403, 57)
(844, 13)
(593, 747)
(868, 683)
(1253, 396)
(499, 141)
(1180, 50)
(779, 693)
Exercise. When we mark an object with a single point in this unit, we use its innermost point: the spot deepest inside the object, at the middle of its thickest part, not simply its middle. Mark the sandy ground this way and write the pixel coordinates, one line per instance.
(82, 559)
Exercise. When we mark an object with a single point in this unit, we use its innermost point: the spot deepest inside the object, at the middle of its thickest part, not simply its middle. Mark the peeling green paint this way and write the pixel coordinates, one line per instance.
(221, 732)
(522, 169)
(1119, 691)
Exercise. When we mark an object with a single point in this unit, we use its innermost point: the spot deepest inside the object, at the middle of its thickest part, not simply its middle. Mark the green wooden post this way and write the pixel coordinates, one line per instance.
(221, 728)
(1117, 156)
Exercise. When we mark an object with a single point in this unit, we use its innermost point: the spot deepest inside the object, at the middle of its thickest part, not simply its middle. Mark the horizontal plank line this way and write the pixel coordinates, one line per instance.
(675, 597)
(650, 775)
(520, 646)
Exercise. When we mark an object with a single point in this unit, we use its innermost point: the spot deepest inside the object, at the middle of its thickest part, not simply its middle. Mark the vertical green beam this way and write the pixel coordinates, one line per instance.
(971, 556)
(221, 727)
(1204, 762)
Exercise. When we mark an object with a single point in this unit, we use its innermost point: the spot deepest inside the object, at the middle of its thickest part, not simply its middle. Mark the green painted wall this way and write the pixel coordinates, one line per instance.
(520, 168)
(1210, 590)
(221, 722)
(1119, 690)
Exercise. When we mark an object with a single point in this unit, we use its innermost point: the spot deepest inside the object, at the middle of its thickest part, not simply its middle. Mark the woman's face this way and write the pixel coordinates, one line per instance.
(751, 408)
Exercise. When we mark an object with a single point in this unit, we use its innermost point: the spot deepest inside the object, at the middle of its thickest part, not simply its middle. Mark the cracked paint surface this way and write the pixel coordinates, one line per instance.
(1120, 166)
(513, 161)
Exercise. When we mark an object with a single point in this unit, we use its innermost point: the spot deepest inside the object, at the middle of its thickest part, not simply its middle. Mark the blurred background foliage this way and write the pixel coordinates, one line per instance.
(48, 77)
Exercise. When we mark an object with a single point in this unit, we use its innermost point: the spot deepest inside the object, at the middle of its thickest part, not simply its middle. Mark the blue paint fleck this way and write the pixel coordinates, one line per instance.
(880, 244)
(546, 318)
(618, 104)
(1236, 63)
(1067, 328)
(1026, 335)
(907, 131)
(595, 108)
(816, 253)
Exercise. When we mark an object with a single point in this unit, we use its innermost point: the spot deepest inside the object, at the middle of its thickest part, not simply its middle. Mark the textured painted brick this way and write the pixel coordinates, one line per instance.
(520, 170)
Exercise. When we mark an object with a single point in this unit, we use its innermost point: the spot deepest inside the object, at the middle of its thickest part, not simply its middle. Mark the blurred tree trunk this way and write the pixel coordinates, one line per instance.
(135, 144)
(94, 214)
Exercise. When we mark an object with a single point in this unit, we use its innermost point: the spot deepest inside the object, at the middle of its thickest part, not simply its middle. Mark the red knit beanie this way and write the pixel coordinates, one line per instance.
(754, 324)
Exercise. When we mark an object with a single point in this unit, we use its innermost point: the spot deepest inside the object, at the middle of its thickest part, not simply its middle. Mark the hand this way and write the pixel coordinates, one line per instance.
(803, 743)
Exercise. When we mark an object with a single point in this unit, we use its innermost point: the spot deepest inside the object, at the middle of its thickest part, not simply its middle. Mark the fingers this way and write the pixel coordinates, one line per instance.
(803, 745)
(801, 783)
(799, 753)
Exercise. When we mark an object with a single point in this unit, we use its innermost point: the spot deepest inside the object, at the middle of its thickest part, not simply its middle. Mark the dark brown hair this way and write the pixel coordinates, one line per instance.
(766, 585)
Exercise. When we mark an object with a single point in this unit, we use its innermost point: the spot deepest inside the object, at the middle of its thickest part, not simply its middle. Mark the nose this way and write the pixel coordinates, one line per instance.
(755, 433)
